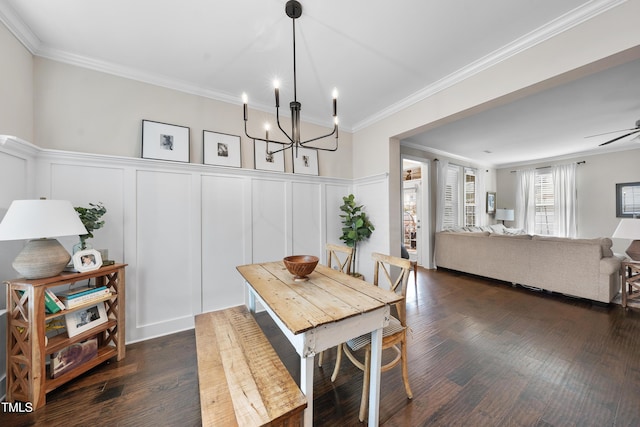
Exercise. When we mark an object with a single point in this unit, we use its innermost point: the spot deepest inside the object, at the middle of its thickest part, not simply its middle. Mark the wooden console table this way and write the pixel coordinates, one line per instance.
(28, 379)
(630, 279)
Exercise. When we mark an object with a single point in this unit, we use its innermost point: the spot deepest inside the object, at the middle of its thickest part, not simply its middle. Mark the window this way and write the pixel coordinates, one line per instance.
(460, 197)
(544, 198)
(469, 197)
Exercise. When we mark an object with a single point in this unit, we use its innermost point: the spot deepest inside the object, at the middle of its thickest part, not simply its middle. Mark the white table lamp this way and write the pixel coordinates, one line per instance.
(629, 228)
(504, 215)
(41, 220)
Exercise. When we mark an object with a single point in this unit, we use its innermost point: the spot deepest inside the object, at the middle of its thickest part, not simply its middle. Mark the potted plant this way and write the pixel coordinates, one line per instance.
(90, 218)
(357, 227)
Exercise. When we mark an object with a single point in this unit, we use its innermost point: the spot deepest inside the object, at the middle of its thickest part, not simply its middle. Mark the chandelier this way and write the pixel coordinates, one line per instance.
(293, 10)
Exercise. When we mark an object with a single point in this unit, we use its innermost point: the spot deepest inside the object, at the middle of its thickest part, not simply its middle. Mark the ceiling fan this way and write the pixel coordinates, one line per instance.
(629, 132)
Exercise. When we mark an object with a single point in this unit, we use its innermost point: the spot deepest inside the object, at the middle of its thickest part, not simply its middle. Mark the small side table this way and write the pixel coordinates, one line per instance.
(630, 275)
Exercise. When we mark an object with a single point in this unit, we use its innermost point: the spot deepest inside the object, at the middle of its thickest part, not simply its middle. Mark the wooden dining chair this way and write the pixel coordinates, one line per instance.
(394, 336)
(339, 258)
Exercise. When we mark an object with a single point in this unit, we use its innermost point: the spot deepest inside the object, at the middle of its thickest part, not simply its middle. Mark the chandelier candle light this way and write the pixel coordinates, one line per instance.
(293, 10)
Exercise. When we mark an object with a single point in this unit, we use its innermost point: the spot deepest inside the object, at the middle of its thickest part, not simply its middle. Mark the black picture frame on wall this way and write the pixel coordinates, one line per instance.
(163, 141)
(221, 149)
(628, 200)
(305, 161)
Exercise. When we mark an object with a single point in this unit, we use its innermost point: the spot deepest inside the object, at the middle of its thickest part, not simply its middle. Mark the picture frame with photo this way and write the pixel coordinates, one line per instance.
(266, 162)
(164, 141)
(84, 319)
(87, 260)
(305, 161)
(73, 356)
(221, 149)
(491, 202)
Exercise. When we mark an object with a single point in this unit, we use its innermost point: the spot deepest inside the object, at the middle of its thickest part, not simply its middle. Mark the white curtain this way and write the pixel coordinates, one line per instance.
(441, 181)
(564, 191)
(525, 200)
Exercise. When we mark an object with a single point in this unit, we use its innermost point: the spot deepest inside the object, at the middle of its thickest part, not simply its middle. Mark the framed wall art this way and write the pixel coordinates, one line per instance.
(628, 200)
(162, 141)
(305, 161)
(265, 161)
(221, 149)
(491, 202)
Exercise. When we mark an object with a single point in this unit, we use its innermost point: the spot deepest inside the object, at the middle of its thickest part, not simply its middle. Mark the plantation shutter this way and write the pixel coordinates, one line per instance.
(451, 204)
(469, 197)
(544, 196)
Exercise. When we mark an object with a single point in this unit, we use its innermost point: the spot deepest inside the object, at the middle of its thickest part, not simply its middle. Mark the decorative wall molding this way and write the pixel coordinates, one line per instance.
(563, 23)
(181, 228)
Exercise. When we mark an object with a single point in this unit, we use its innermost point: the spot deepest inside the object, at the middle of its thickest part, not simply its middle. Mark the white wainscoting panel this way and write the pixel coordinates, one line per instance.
(333, 196)
(269, 219)
(372, 193)
(306, 219)
(223, 235)
(164, 292)
(181, 228)
(84, 184)
(17, 178)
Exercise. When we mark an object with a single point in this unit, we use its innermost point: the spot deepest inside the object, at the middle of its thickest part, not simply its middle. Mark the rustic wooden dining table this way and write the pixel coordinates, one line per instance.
(327, 309)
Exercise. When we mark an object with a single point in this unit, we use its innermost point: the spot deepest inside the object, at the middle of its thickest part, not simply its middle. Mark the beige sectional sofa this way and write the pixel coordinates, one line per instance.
(585, 268)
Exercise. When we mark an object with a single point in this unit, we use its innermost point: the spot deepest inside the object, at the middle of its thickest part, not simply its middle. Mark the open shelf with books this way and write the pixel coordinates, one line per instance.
(94, 328)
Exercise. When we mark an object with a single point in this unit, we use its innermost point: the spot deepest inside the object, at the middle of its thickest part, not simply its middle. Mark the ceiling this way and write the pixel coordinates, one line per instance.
(381, 56)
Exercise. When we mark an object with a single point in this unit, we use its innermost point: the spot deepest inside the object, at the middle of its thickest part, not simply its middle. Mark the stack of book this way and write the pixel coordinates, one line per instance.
(52, 303)
(80, 296)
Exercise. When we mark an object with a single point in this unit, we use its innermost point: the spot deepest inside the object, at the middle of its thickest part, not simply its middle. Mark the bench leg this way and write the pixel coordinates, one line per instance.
(306, 385)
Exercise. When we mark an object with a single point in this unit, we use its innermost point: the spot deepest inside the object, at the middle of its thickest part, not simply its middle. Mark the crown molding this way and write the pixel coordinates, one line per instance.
(563, 23)
(10, 18)
(535, 37)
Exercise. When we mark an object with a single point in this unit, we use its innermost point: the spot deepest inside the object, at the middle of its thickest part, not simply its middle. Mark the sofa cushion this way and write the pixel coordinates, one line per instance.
(604, 242)
(512, 236)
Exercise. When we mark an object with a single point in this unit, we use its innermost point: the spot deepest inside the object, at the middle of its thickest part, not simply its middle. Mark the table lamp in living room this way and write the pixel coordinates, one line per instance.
(504, 215)
(629, 228)
(41, 221)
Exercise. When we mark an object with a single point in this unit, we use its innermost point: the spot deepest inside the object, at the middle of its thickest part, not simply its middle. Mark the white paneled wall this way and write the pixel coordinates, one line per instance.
(182, 228)
(224, 238)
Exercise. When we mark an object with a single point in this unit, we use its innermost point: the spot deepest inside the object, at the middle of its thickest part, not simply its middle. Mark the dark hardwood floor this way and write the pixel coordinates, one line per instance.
(481, 353)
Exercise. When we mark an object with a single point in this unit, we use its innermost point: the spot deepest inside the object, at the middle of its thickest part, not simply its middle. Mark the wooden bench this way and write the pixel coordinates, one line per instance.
(242, 380)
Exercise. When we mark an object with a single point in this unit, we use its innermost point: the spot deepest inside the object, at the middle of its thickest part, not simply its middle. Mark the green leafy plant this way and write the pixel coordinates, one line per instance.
(90, 218)
(356, 226)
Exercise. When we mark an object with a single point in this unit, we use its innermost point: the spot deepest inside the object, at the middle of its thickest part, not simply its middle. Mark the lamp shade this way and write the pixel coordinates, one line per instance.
(39, 220)
(36, 219)
(629, 228)
(505, 214)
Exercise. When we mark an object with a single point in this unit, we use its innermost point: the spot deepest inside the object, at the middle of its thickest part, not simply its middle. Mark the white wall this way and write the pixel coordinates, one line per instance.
(16, 87)
(77, 109)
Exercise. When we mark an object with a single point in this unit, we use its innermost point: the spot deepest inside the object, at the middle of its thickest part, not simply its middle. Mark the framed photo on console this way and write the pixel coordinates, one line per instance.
(305, 161)
(265, 161)
(87, 260)
(221, 149)
(85, 319)
(162, 141)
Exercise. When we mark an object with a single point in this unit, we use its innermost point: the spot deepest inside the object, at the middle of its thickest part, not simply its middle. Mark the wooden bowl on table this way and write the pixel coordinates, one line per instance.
(300, 265)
